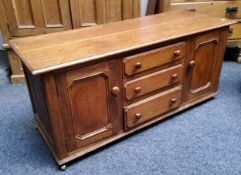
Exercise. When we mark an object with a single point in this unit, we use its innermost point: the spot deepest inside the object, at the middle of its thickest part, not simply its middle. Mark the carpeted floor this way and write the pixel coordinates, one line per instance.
(4, 67)
(203, 140)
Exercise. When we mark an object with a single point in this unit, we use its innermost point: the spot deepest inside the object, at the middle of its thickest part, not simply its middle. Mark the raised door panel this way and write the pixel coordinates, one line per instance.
(113, 10)
(202, 64)
(201, 73)
(90, 112)
(51, 12)
(89, 105)
(83, 13)
(33, 17)
(92, 12)
(20, 16)
(56, 15)
(131, 9)
(23, 12)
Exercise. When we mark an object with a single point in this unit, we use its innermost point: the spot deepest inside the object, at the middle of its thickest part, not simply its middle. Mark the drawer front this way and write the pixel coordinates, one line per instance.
(151, 107)
(235, 31)
(154, 81)
(173, 1)
(154, 58)
(219, 8)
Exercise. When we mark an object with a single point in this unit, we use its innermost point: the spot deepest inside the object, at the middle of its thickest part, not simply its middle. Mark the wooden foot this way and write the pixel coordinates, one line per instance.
(18, 79)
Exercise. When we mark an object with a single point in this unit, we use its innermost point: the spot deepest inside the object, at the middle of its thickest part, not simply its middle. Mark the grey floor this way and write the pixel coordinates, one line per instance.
(4, 65)
(4, 68)
(203, 140)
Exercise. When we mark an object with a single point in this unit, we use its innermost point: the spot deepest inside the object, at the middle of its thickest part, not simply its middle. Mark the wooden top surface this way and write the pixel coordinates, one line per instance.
(49, 52)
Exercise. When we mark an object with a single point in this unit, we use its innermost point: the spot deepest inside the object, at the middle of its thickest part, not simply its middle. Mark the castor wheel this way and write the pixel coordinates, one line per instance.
(36, 127)
(63, 167)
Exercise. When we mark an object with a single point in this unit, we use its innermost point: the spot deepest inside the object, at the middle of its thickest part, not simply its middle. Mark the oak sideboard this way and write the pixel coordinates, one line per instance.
(92, 86)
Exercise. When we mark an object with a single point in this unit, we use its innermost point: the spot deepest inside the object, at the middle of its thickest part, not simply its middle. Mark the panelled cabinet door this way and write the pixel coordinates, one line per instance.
(89, 99)
(203, 65)
(33, 17)
(92, 12)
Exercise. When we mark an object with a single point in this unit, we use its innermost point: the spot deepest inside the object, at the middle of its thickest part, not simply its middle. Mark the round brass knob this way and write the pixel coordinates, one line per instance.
(177, 53)
(138, 65)
(174, 76)
(138, 115)
(192, 63)
(115, 90)
(173, 100)
(137, 89)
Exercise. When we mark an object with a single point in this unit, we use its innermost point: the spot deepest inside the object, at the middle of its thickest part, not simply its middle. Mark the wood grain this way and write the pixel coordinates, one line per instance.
(204, 55)
(157, 80)
(89, 12)
(52, 39)
(4, 24)
(152, 107)
(30, 17)
(89, 110)
(154, 58)
(67, 53)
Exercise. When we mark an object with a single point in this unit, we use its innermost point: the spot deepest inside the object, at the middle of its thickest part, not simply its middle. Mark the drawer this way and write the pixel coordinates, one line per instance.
(154, 58)
(218, 8)
(235, 31)
(173, 1)
(153, 106)
(152, 82)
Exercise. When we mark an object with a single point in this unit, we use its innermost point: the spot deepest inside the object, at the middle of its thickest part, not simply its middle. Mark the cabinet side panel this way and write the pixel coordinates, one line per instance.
(219, 57)
(50, 91)
(38, 100)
